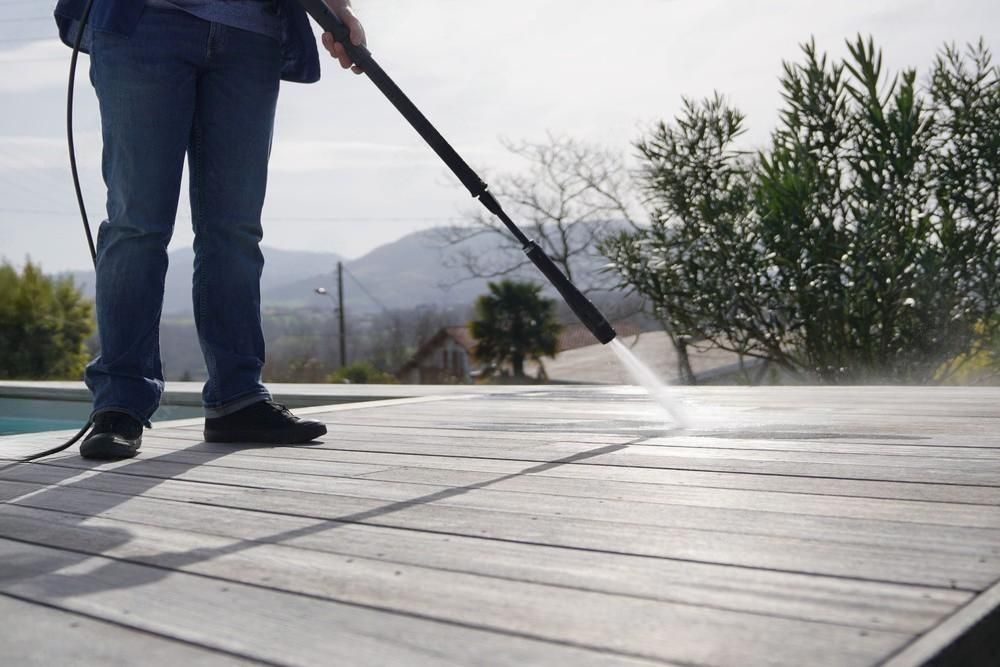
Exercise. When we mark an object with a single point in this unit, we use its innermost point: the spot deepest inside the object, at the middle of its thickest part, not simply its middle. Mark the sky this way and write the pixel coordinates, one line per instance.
(348, 174)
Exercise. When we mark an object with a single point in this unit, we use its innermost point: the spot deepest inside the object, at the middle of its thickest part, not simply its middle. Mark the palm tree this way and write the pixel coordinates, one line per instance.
(514, 323)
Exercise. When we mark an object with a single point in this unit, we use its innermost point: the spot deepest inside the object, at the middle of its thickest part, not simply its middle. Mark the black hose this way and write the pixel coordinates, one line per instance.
(66, 445)
(79, 200)
(69, 129)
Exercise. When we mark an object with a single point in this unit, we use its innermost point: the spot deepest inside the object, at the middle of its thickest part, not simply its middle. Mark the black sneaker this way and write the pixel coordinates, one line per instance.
(264, 422)
(115, 435)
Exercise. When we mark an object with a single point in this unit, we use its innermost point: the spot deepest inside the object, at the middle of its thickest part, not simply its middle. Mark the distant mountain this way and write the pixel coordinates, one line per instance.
(418, 269)
(411, 271)
(415, 270)
(280, 267)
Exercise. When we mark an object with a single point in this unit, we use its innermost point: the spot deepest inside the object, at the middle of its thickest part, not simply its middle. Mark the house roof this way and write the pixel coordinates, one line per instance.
(460, 334)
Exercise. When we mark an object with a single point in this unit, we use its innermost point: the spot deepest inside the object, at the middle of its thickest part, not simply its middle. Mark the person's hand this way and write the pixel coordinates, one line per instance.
(342, 8)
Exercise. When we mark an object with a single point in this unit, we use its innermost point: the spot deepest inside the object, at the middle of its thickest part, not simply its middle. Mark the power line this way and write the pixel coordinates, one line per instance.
(365, 290)
(27, 19)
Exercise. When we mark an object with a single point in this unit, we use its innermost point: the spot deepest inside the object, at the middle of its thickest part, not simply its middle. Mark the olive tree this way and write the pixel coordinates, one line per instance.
(861, 245)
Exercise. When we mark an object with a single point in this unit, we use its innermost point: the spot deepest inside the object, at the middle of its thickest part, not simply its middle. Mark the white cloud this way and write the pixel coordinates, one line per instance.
(37, 65)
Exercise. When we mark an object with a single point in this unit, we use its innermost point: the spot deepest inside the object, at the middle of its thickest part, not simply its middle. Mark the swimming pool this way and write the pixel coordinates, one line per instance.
(35, 415)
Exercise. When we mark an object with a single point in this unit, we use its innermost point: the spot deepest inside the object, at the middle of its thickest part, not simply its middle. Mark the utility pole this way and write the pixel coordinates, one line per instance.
(340, 313)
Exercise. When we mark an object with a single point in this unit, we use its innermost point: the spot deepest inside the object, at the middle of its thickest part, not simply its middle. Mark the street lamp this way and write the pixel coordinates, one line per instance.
(339, 309)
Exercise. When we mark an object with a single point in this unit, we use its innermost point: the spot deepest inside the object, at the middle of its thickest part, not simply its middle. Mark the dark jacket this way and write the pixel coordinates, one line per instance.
(121, 16)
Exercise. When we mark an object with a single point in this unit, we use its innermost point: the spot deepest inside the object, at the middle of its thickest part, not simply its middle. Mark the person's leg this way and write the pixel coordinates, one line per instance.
(228, 154)
(145, 85)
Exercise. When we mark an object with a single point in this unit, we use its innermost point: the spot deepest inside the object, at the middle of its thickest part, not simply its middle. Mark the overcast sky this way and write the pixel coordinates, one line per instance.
(348, 174)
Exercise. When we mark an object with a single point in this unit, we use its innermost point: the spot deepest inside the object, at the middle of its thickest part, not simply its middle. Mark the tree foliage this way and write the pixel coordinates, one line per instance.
(863, 244)
(514, 323)
(44, 325)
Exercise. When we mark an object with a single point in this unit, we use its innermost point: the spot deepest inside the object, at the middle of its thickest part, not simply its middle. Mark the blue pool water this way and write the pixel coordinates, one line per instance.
(12, 425)
(33, 415)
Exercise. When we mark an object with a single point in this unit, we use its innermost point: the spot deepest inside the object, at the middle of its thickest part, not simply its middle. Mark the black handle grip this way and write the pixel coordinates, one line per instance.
(363, 58)
(327, 20)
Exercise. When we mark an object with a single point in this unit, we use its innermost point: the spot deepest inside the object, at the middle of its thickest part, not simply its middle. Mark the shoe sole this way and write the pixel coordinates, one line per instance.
(285, 436)
(107, 447)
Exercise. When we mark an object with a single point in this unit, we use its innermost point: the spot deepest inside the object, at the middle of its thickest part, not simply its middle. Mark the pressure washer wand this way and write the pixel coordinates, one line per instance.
(581, 305)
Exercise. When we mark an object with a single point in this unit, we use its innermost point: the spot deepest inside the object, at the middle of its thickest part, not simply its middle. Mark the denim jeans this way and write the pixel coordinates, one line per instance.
(182, 86)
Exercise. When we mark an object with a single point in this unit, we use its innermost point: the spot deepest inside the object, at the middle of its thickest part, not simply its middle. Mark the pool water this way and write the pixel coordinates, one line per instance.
(13, 425)
(35, 415)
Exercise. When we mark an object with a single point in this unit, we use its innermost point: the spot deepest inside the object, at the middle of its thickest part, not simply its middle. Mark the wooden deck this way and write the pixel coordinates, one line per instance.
(569, 526)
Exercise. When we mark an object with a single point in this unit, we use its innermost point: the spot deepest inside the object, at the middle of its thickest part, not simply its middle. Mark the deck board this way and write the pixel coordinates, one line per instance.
(561, 525)
(270, 624)
(890, 543)
(828, 599)
(29, 629)
(302, 476)
(305, 461)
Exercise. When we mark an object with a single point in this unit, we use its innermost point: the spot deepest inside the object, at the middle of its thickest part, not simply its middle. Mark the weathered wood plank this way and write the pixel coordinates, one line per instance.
(292, 474)
(34, 635)
(268, 624)
(286, 490)
(470, 429)
(966, 637)
(613, 625)
(873, 605)
(312, 460)
(905, 511)
(918, 533)
(964, 566)
(977, 469)
(796, 444)
(883, 468)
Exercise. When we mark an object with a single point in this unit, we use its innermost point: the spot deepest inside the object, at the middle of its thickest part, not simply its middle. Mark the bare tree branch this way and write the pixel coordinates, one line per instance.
(571, 195)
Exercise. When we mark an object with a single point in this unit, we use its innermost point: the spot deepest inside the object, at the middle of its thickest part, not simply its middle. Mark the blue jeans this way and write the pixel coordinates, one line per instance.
(180, 85)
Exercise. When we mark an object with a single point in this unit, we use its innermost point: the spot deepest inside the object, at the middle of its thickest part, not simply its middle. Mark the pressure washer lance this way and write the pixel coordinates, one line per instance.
(588, 313)
(581, 305)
